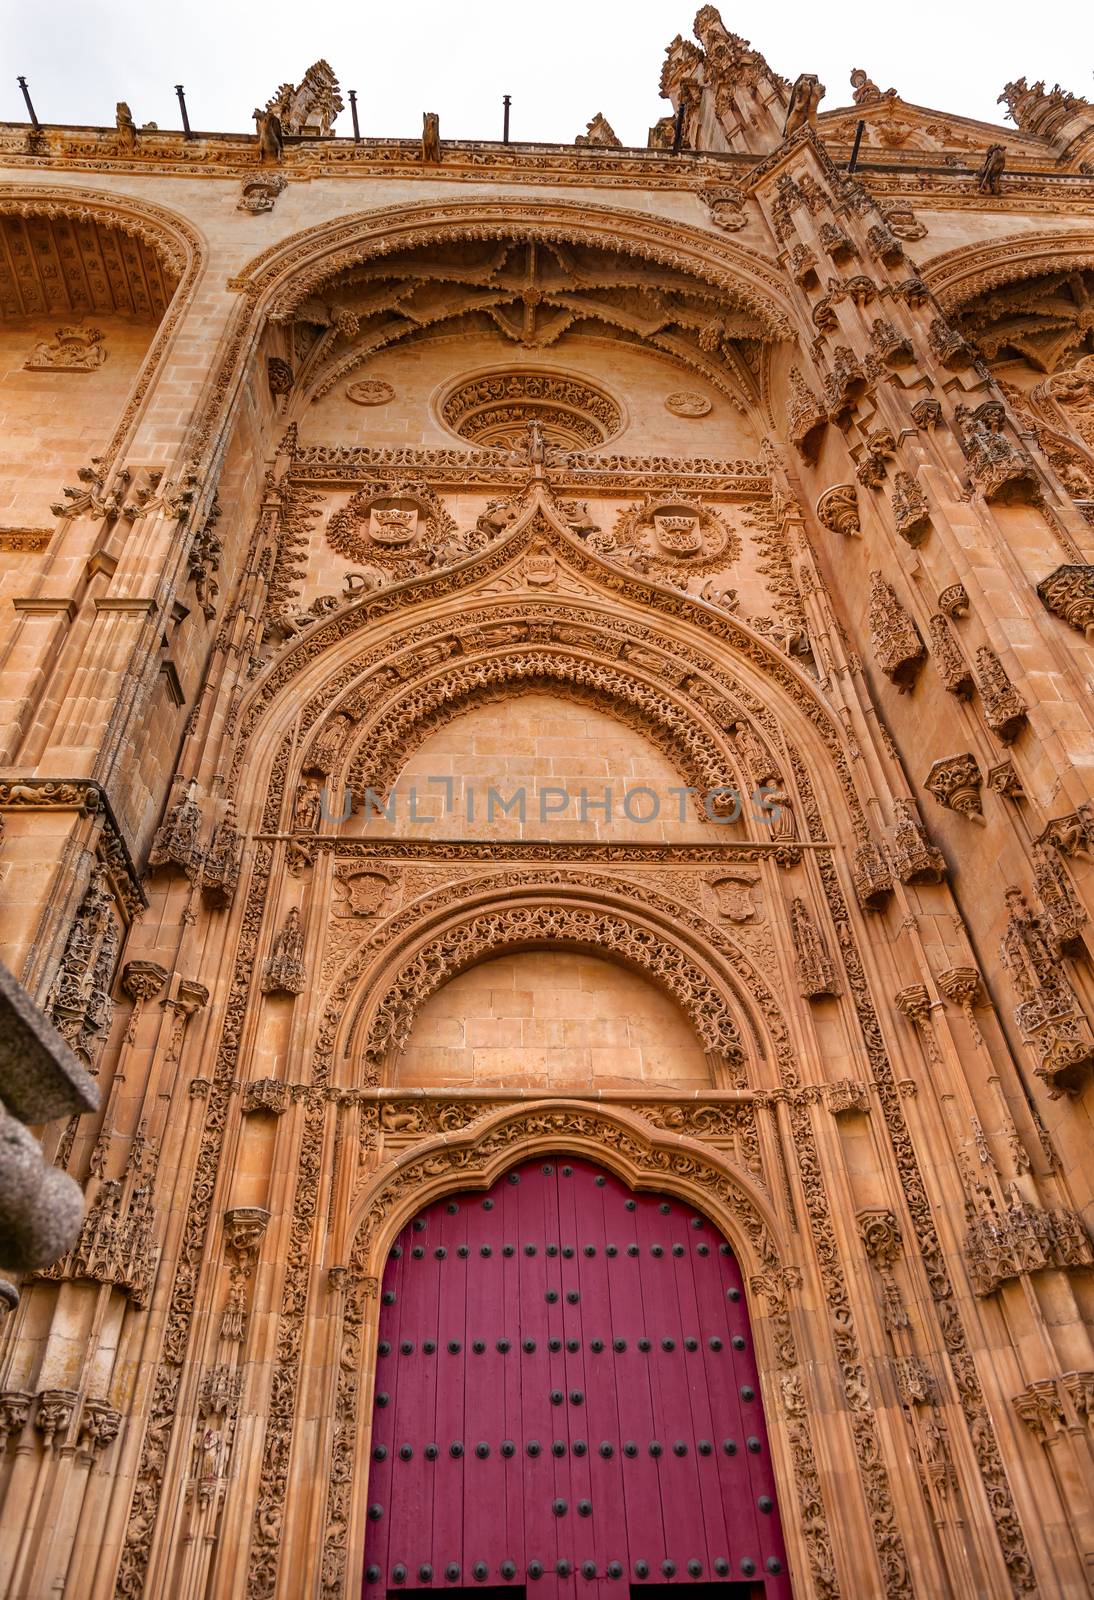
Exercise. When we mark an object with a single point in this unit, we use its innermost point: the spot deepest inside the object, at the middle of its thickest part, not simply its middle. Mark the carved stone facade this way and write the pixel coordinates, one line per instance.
(550, 649)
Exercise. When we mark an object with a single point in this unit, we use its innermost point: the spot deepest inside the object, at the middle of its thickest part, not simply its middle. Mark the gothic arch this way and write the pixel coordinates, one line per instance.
(372, 1002)
(959, 275)
(176, 242)
(322, 667)
(643, 1158)
(282, 276)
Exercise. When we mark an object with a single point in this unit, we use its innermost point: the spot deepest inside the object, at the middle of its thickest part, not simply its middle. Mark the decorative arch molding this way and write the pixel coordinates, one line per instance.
(177, 243)
(642, 1157)
(384, 745)
(960, 275)
(613, 933)
(372, 971)
(279, 279)
(653, 611)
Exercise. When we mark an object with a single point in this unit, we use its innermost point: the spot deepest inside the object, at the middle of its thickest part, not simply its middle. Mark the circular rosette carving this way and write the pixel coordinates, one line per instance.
(494, 411)
(674, 537)
(399, 527)
(370, 392)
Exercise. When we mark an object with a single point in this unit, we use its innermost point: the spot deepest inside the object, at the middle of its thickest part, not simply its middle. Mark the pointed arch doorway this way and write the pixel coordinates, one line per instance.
(567, 1401)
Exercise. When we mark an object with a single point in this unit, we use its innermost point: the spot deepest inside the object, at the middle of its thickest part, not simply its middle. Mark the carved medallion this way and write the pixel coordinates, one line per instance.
(70, 350)
(370, 392)
(367, 893)
(687, 403)
(673, 537)
(394, 526)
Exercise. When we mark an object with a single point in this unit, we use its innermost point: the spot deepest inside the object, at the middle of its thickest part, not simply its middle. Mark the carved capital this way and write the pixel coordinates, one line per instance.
(15, 1407)
(1041, 1408)
(267, 1096)
(54, 1413)
(1068, 593)
(881, 1236)
(955, 783)
(100, 1424)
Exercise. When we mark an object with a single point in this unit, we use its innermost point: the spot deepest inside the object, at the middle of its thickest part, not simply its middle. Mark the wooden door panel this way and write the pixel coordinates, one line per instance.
(567, 1399)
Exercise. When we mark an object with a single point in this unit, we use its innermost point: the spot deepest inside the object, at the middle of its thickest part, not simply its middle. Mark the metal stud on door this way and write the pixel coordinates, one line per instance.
(567, 1399)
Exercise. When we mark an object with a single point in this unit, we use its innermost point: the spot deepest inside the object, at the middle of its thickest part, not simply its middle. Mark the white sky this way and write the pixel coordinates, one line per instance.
(562, 61)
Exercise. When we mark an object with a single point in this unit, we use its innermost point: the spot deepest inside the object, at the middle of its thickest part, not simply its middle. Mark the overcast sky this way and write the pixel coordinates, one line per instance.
(562, 61)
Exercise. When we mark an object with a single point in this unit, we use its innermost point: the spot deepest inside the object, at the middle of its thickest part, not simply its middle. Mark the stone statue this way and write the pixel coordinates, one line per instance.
(431, 137)
(990, 176)
(805, 97)
(127, 128)
(271, 143)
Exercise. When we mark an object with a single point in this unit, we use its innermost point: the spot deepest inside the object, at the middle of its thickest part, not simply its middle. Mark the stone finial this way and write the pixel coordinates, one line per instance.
(601, 133)
(309, 108)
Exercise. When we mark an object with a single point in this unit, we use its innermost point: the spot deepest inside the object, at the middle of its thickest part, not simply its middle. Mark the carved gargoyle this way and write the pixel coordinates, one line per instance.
(431, 137)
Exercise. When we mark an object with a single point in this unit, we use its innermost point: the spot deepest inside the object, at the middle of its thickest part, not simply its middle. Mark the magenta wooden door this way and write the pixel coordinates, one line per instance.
(567, 1399)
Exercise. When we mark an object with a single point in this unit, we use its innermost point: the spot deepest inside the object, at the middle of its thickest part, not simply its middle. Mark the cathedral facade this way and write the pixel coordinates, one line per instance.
(548, 773)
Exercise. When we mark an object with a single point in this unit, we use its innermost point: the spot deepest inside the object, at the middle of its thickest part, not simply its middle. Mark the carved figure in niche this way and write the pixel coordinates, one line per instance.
(271, 143)
(431, 137)
(805, 97)
(600, 132)
(306, 809)
(70, 350)
(990, 176)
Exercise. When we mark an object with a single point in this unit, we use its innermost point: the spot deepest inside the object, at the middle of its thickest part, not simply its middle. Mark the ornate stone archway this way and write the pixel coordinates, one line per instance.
(644, 1159)
(175, 241)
